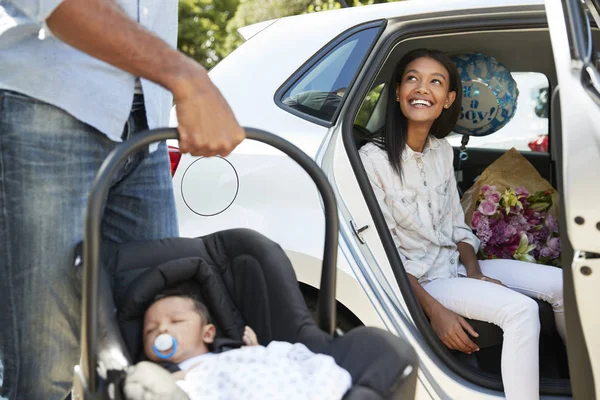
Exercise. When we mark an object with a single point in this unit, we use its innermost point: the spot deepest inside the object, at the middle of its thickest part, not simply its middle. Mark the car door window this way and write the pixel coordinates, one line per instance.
(367, 109)
(319, 90)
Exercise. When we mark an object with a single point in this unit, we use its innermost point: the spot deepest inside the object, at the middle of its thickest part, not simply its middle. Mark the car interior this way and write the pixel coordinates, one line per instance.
(521, 47)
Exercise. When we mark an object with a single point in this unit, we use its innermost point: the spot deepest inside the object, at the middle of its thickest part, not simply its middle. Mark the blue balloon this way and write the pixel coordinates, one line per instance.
(489, 94)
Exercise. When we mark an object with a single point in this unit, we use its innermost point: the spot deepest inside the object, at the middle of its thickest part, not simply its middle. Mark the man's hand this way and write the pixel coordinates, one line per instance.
(207, 126)
(450, 328)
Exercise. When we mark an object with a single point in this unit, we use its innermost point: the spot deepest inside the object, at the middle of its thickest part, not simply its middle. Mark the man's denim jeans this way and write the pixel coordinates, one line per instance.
(48, 161)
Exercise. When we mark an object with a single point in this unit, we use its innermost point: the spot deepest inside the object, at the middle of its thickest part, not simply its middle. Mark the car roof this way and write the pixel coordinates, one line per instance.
(352, 16)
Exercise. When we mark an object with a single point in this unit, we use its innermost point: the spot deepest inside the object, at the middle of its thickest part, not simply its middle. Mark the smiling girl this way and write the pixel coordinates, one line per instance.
(410, 167)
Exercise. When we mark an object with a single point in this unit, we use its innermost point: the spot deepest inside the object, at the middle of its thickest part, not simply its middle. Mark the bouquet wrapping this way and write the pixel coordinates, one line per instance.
(513, 211)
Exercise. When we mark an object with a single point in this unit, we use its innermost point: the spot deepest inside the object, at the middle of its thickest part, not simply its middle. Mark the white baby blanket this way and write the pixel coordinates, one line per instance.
(279, 371)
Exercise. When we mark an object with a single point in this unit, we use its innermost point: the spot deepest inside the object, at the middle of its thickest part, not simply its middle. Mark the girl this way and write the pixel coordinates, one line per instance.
(410, 167)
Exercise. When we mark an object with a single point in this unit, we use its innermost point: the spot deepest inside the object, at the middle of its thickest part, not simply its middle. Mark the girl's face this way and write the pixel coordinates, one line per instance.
(424, 91)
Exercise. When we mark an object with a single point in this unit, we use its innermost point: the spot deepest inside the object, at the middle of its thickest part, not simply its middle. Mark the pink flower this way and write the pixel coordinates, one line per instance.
(476, 218)
(487, 207)
(494, 197)
(487, 188)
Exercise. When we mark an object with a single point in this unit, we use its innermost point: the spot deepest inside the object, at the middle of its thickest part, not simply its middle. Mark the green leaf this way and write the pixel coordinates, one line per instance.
(524, 249)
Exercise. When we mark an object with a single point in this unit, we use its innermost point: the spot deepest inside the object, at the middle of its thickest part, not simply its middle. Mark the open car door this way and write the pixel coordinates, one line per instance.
(575, 113)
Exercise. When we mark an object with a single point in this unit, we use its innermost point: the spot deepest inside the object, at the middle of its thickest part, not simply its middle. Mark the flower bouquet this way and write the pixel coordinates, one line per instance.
(515, 224)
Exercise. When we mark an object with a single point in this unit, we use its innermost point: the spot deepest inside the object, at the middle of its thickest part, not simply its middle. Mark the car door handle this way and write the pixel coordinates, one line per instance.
(358, 231)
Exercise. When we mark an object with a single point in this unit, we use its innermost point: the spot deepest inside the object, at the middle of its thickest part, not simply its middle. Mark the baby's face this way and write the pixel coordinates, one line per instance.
(178, 317)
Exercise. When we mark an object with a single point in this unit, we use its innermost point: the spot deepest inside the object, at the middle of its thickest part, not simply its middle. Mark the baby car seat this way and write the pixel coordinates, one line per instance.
(244, 279)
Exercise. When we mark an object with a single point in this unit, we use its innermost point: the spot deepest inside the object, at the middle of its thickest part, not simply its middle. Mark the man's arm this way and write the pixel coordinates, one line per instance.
(101, 29)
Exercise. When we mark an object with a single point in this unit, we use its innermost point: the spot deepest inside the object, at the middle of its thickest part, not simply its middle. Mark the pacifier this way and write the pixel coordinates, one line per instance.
(162, 343)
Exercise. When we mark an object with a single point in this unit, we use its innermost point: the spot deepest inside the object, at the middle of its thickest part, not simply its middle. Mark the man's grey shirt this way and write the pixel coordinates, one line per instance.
(35, 63)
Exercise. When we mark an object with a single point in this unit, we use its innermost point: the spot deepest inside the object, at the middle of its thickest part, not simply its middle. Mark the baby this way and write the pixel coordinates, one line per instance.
(187, 322)
(178, 329)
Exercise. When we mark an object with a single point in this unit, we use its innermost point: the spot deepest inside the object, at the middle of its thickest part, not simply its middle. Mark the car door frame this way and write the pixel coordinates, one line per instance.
(410, 29)
(579, 152)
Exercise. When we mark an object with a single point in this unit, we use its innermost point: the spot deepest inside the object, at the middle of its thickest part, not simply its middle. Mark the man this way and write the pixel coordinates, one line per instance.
(68, 73)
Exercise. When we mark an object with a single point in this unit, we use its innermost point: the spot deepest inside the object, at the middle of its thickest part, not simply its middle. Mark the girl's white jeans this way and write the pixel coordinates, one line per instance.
(513, 310)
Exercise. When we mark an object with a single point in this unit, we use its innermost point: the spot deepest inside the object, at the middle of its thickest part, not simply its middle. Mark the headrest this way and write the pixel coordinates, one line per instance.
(489, 94)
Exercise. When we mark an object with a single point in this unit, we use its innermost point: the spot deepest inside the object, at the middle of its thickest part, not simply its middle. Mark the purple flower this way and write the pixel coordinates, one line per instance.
(510, 231)
(552, 249)
(487, 207)
(551, 223)
(554, 244)
(484, 233)
(476, 218)
(521, 191)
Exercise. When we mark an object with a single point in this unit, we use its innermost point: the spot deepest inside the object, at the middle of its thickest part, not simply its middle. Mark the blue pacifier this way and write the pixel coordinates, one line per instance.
(162, 343)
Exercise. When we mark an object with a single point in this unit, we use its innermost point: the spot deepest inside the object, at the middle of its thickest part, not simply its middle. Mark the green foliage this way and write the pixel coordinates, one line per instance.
(253, 11)
(208, 28)
(324, 5)
(368, 106)
(203, 29)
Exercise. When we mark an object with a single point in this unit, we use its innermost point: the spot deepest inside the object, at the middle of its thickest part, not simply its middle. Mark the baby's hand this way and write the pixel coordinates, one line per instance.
(249, 337)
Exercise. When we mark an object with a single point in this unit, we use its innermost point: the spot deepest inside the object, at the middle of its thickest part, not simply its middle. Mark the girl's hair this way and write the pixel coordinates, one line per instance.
(392, 137)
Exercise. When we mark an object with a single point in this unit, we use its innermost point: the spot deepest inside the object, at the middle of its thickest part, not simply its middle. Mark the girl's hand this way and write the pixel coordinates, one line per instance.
(450, 328)
(249, 337)
(486, 278)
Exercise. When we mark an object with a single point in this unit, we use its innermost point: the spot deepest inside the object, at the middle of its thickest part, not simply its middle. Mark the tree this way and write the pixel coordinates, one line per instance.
(208, 28)
(324, 5)
(253, 11)
(203, 29)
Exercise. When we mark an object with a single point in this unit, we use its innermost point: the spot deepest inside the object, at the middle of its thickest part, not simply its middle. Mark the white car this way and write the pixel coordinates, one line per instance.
(312, 78)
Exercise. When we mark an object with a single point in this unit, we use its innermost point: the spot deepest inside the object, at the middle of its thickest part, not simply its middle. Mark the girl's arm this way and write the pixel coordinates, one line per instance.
(469, 260)
(449, 326)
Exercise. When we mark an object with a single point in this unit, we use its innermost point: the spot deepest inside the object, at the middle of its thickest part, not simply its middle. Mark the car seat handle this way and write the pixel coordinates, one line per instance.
(326, 305)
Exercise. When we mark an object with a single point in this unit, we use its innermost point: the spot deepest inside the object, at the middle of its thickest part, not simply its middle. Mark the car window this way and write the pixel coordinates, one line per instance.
(319, 91)
(528, 129)
(368, 107)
